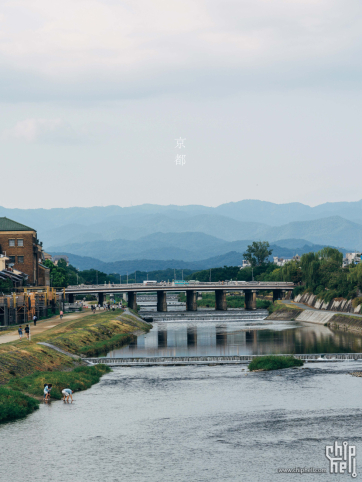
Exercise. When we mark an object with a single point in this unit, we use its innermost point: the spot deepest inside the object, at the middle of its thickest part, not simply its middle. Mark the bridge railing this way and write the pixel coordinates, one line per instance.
(142, 287)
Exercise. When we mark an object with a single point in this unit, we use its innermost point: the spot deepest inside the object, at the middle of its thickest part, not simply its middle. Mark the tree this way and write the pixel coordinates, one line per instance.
(258, 253)
(58, 274)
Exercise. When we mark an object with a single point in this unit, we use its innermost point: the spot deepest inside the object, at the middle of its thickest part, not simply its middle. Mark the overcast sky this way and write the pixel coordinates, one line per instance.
(93, 94)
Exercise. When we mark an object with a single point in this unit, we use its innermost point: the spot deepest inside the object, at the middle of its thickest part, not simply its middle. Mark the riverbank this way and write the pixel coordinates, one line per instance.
(25, 365)
(335, 321)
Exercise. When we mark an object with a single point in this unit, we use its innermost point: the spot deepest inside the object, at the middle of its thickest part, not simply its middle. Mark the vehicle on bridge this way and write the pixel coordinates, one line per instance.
(180, 282)
(150, 282)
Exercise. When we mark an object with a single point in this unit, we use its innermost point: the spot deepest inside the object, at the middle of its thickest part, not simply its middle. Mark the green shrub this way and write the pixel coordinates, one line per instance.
(356, 301)
(274, 362)
(14, 405)
(298, 290)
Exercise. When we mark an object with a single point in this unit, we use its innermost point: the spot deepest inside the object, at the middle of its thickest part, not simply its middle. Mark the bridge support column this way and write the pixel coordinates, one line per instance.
(132, 300)
(191, 300)
(250, 300)
(161, 301)
(71, 297)
(278, 295)
(100, 298)
(220, 300)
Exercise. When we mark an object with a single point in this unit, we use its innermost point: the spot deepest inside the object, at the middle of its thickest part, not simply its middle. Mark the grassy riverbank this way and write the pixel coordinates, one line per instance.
(25, 366)
(280, 311)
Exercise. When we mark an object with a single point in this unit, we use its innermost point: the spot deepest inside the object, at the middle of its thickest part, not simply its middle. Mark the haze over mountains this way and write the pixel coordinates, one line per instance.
(192, 233)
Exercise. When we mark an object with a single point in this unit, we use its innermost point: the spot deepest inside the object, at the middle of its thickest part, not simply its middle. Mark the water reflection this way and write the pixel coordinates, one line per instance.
(239, 338)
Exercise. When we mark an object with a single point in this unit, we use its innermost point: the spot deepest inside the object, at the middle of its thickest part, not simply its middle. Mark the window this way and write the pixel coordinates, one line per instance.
(12, 259)
(20, 259)
(11, 242)
(20, 242)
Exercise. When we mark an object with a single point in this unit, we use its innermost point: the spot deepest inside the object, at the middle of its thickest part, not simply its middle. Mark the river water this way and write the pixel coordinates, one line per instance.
(193, 423)
(248, 337)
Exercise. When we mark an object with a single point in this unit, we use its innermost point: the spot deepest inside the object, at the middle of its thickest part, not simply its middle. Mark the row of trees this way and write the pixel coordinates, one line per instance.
(320, 273)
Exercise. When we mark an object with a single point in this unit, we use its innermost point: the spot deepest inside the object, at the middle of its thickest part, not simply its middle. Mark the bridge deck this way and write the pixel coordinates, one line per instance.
(170, 287)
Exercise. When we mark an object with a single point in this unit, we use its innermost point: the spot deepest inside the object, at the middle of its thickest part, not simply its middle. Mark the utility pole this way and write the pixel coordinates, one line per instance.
(135, 276)
(97, 276)
(147, 276)
(182, 275)
(252, 274)
(210, 275)
(174, 274)
(120, 279)
(127, 277)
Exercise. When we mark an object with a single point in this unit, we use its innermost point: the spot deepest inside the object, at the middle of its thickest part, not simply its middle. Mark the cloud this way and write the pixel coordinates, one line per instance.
(43, 130)
(133, 48)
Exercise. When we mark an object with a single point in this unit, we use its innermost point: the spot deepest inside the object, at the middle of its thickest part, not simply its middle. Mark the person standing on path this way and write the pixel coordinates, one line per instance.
(61, 314)
(27, 331)
(20, 331)
(35, 319)
(67, 392)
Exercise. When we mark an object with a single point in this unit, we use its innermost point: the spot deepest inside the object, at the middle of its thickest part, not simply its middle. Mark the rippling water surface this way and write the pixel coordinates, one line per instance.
(189, 424)
(197, 423)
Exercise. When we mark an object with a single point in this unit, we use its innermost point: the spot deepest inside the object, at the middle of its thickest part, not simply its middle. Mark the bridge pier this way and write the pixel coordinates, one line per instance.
(278, 295)
(161, 301)
(132, 300)
(71, 297)
(100, 298)
(220, 300)
(250, 300)
(191, 300)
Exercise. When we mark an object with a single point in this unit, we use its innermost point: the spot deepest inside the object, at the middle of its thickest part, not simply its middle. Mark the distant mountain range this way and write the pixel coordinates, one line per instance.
(231, 258)
(191, 234)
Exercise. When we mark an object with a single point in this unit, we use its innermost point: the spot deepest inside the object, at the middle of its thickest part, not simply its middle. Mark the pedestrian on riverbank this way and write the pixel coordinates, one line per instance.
(27, 331)
(67, 392)
(50, 386)
(20, 331)
(35, 319)
(61, 314)
(46, 391)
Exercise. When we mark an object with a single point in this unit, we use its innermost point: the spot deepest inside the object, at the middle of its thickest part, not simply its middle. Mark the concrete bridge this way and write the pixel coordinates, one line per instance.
(249, 289)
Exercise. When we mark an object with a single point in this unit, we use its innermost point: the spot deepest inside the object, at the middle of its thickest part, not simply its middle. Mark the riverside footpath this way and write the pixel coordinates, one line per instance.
(40, 327)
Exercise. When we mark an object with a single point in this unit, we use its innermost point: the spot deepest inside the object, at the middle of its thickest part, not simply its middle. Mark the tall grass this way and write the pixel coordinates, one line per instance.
(14, 405)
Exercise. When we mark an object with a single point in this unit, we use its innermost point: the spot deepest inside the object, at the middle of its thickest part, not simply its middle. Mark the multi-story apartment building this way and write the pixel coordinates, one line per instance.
(21, 245)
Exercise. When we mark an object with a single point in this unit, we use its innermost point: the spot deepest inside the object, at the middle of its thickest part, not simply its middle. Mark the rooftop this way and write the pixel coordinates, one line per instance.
(7, 224)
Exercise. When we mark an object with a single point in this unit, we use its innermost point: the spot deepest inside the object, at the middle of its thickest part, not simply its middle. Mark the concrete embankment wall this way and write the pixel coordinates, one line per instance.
(346, 323)
(341, 305)
(314, 317)
(285, 313)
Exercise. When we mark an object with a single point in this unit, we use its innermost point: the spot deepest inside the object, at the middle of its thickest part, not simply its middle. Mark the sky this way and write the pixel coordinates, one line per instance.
(264, 95)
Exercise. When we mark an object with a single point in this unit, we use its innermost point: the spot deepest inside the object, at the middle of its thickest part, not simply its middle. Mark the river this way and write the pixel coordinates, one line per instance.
(193, 423)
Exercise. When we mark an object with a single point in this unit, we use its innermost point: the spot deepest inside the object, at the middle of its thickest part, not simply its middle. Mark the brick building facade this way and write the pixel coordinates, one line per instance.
(21, 245)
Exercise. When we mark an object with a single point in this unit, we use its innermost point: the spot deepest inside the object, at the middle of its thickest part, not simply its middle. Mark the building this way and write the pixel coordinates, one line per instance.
(283, 261)
(57, 258)
(245, 264)
(352, 258)
(21, 246)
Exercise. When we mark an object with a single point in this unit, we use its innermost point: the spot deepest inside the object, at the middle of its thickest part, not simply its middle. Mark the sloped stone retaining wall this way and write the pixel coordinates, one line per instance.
(344, 306)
